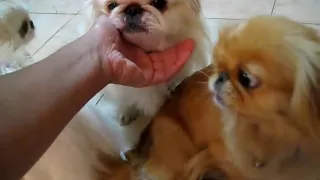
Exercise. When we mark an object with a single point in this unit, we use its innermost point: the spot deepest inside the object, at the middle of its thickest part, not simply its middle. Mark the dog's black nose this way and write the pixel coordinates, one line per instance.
(31, 24)
(223, 77)
(133, 10)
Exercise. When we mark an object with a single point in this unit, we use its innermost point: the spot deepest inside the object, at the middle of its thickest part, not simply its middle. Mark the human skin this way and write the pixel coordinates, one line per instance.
(37, 102)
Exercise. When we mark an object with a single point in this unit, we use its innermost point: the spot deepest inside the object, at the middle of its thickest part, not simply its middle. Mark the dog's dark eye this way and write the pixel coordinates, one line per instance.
(247, 80)
(31, 24)
(112, 5)
(214, 174)
(159, 4)
(24, 28)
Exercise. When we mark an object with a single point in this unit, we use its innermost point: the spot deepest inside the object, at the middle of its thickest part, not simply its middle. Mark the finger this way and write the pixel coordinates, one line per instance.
(131, 75)
(135, 75)
(169, 62)
(103, 32)
(159, 72)
(137, 56)
(124, 71)
(183, 53)
(134, 54)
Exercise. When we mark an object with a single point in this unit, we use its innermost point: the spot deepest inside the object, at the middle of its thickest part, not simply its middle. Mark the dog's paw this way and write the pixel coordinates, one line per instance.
(129, 116)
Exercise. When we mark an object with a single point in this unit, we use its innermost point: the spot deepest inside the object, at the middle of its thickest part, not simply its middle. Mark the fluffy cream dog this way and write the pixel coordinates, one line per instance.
(152, 25)
(16, 29)
(113, 120)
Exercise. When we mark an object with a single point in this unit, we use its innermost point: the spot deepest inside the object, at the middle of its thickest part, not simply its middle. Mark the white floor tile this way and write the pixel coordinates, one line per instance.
(71, 31)
(55, 6)
(307, 11)
(46, 26)
(214, 25)
(236, 9)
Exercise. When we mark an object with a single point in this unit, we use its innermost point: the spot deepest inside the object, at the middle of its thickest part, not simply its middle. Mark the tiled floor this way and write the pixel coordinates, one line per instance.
(57, 20)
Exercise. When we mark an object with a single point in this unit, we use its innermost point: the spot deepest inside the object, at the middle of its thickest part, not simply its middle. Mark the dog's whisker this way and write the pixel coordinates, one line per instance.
(202, 82)
(204, 73)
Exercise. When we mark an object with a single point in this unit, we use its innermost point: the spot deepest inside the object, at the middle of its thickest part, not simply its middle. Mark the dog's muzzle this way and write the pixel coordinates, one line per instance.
(132, 18)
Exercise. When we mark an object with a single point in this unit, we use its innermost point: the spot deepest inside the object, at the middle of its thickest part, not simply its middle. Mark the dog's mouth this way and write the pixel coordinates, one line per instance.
(134, 28)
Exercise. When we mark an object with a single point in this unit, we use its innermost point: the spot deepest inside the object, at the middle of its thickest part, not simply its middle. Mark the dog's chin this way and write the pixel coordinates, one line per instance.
(148, 41)
(218, 100)
(143, 37)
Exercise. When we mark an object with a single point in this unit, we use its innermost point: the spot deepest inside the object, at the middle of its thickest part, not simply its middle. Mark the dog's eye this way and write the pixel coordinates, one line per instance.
(247, 80)
(24, 29)
(159, 4)
(31, 24)
(112, 5)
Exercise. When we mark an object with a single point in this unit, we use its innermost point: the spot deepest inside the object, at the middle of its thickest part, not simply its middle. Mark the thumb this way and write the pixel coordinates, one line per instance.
(105, 26)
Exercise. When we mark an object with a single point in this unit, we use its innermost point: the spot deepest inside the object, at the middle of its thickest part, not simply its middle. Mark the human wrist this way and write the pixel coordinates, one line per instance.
(103, 41)
(93, 57)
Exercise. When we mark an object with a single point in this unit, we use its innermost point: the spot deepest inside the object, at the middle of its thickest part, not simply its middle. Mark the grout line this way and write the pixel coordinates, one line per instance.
(307, 23)
(53, 36)
(54, 13)
(274, 5)
(84, 7)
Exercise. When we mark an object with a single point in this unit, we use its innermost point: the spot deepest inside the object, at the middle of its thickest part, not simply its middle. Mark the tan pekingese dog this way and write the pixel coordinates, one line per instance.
(16, 29)
(266, 83)
(183, 142)
(260, 113)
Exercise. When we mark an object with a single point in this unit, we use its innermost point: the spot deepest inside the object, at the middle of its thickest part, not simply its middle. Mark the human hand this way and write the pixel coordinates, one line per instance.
(125, 64)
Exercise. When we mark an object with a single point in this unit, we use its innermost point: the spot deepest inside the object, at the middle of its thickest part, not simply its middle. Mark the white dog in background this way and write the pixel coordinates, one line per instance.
(114, 119)
(16, 29)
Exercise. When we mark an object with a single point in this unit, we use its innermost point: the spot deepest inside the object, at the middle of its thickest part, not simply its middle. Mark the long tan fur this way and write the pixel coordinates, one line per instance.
(269, 97)
(183, 142)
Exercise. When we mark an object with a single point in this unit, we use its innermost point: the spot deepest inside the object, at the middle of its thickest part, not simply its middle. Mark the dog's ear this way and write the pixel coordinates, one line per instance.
(195, 5)
(306, 97)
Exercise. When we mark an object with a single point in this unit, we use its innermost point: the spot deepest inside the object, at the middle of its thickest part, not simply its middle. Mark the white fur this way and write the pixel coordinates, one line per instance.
(149, 99)
(12, 60)
(13, 56)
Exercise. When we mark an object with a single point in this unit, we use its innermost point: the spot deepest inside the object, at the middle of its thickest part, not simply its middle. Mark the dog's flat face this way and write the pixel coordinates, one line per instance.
(256, 68)
(16, 23)
(149, 23)
(264, 76)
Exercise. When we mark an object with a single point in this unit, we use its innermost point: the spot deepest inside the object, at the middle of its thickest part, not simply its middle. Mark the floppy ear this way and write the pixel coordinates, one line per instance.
(306, 95)
(195, 5)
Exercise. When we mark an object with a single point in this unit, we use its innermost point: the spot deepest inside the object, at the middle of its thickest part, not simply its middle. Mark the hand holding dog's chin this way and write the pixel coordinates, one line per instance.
(125, 64)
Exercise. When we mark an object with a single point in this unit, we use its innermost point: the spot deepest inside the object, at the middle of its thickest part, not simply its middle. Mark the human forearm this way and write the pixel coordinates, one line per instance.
(34, 111)
(37, 102)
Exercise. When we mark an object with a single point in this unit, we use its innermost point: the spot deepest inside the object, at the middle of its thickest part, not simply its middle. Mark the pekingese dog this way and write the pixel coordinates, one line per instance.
(183, 142)
(153, 25)
(16, 29)
(113, 120)
(259, 114)
(266, 84)
(15, 24)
